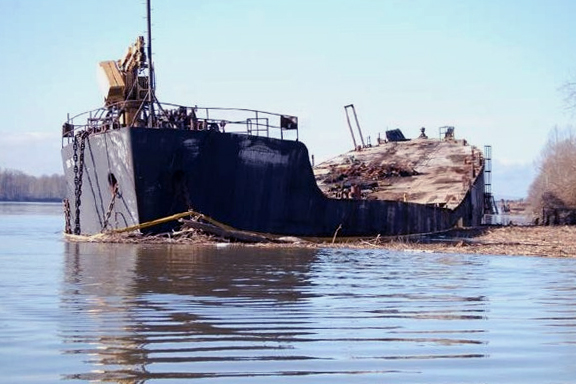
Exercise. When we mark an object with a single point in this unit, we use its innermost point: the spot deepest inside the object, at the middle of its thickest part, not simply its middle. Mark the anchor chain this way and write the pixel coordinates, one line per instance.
(182, 194)
(78, 172)
(68, 227)
(110, 207)
(187, 196)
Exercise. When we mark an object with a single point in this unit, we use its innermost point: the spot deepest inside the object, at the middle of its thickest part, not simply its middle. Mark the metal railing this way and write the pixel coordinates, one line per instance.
(172, 116)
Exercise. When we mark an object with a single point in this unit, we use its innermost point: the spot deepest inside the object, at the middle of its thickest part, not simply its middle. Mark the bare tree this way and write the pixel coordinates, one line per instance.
(569, 91)
(555, 184)
(18, 186)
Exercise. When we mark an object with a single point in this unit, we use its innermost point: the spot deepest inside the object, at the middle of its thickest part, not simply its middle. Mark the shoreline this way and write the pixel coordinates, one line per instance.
(543, 241)
(45, 201)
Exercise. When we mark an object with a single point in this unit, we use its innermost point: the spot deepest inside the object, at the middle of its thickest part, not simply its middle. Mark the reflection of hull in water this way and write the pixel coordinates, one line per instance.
(134, 312)
(130, 270)
(248, 182)
(124, 299)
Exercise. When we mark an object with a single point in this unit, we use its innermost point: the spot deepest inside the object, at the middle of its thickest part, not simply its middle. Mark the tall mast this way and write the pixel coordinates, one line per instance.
(151, 85)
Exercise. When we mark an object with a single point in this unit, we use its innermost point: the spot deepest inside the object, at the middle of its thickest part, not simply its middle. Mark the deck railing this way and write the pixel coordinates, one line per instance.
(172, 116)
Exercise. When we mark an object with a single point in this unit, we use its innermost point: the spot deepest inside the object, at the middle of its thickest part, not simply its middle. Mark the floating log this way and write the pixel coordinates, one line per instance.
(244, 236)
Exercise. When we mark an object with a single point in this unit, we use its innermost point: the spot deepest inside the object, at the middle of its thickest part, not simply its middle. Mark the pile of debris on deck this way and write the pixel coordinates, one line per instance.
(423, 170)
(365, 176)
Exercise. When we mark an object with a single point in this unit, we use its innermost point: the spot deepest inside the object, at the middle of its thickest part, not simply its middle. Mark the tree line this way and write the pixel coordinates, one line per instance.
(18, 186)
(552, 194)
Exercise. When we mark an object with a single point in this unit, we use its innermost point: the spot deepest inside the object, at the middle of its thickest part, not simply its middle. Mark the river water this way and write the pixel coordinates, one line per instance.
(130, 313)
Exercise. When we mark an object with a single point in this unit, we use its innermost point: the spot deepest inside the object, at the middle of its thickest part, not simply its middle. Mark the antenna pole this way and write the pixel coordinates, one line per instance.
(151, 85)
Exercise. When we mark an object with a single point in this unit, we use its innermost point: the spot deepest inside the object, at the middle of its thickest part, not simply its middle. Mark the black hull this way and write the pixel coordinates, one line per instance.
(248, 182)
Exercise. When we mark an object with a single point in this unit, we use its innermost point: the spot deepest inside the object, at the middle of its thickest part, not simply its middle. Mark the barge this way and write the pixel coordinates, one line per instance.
(136, 160)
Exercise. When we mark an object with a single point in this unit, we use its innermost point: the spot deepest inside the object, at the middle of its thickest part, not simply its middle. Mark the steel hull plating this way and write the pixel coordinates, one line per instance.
(248, 182)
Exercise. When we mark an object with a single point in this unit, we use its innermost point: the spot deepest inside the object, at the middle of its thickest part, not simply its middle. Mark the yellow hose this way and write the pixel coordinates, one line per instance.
(153, 222)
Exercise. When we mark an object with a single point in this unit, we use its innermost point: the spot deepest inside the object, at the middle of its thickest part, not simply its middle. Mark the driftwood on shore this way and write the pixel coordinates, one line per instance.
(243, 236)
(551, 241)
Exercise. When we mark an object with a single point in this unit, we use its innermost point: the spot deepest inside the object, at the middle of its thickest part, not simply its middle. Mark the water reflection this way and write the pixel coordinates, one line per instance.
(557, 298)
(140, 312)
(141, 303)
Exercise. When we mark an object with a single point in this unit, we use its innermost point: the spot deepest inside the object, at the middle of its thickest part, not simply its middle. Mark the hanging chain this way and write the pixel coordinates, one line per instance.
(75, 158)
(186, 196)
(78, 172)
(110, 207)
(182, 194)
(68, 227)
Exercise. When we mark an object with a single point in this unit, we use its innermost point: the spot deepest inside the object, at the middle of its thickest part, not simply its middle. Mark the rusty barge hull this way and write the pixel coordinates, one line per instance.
(251, 183)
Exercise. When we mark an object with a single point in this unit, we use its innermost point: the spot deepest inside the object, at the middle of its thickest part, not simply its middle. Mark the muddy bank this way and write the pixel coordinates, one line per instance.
(551, 241)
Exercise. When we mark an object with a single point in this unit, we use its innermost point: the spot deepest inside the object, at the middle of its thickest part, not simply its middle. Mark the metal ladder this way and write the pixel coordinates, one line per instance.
(351, 106)
(490, 206)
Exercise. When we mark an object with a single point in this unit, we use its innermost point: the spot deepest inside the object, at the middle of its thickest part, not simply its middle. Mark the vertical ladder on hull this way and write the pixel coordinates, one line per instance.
(351, 106)
(490, 207)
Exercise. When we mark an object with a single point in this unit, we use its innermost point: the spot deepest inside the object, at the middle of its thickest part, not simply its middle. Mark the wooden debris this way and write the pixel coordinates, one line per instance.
(549, 241)
(243, 236)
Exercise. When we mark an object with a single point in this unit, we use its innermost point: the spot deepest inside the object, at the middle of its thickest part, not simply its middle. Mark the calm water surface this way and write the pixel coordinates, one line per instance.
(150, 313)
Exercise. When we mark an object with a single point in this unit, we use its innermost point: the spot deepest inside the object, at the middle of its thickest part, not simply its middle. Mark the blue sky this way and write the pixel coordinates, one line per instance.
(492, 69)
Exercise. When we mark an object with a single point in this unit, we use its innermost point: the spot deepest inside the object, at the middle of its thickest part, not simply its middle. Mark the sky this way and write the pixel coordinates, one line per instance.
(492, 69)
